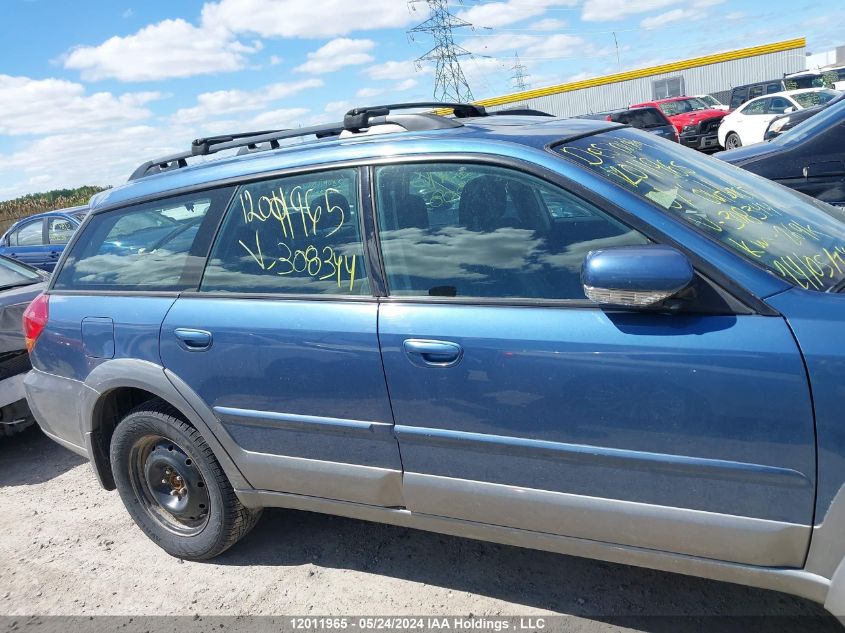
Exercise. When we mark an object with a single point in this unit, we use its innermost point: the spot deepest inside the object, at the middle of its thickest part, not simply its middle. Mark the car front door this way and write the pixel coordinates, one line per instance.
(280, 343)
(59, 231)
(519, 403)
(26, 244)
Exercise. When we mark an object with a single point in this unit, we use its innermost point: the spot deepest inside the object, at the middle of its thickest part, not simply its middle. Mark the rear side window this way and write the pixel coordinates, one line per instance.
(157, 246)
(59, 230)
(296, 234)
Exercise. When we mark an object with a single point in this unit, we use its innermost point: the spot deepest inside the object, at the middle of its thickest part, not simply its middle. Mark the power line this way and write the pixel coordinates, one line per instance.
(450, 84)
(519, 77)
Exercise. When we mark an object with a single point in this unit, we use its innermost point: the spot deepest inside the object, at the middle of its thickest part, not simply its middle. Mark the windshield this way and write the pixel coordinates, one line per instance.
(14, 274)
(671, 108)
(831, 115)
(792, 236)
(711, 101)
(815, 97)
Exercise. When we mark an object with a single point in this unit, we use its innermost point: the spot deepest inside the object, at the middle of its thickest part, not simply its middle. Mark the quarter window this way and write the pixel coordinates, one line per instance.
(31, 234)
(459, 230)
(155, 246)
(294, 235)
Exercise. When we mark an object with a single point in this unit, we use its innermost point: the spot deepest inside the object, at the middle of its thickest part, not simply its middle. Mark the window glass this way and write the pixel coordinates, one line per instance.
(755, 91)
(738, 97)
(31, 234)
(296, 235)
(816, 97)
(793, 236)
(459, 230)
(756, 107)
(155, 246)
(59, 230)
(644, 118)
(772, 88)
(13, 274)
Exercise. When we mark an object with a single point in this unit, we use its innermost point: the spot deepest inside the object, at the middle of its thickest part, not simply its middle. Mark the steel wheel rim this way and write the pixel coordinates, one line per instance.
(169, 485)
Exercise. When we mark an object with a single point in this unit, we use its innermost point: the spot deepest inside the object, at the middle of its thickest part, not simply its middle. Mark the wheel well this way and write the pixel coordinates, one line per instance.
(110, 409)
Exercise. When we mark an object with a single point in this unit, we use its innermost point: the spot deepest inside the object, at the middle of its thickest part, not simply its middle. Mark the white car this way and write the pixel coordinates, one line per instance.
(747, 124)
(713, 102)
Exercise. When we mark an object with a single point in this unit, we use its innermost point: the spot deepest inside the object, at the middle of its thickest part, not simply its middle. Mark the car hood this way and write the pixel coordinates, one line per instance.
(748, 153)
(691, 118)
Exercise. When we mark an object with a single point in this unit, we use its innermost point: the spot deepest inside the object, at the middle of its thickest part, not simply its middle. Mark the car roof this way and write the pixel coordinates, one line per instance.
(515, 136)
(757, 83)
(64, 211)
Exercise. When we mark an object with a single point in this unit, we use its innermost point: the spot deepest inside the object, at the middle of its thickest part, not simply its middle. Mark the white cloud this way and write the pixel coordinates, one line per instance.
(555, 46)
(221, 102)
(548, 24)
(606, 10)
(313, 19)
(277, 119)
(694, 12)
(48, 106)
(396, 70)
(407, 84)
(128, 13)
(168, 49)
(275, 60)
(675, 15)
(495, 14)
(369, 93)
(338, 107)
(337, 54)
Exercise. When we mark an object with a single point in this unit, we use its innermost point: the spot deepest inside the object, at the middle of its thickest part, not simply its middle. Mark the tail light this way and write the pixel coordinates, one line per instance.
(35, 319)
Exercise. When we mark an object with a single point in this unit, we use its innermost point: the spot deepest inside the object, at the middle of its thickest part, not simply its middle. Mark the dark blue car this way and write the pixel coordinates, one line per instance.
(562, 334)
(39, 240)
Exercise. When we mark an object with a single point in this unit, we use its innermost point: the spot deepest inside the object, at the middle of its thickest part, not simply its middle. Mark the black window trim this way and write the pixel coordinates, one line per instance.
(738, 293)
(710, 272)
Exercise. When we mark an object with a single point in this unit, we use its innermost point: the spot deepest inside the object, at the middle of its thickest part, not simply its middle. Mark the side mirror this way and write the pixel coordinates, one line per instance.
(789, 110)
(635, 276)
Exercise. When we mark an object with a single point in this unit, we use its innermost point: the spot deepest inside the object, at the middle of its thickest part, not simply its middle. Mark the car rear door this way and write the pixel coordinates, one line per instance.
(279, 342)
(519, 403)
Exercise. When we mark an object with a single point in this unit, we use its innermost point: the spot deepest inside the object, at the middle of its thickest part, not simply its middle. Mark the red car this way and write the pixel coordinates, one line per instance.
(697, 123)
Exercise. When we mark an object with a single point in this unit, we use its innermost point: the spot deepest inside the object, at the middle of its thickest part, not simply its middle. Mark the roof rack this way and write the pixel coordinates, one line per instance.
(355, 121)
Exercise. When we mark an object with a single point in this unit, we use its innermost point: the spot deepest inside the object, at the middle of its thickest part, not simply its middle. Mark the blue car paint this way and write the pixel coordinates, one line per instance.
(816, 320)
(705, 412)
(730, 389)
(44, 256)
(318, 359)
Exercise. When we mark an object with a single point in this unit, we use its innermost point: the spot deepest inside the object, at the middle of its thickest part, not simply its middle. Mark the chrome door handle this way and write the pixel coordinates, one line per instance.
(193, 340)
(425, 353)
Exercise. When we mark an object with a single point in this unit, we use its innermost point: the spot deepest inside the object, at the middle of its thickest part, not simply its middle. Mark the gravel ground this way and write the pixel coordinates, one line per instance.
(68, 548)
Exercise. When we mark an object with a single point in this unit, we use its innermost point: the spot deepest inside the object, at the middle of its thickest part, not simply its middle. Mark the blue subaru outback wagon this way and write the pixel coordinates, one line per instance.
(561, 334)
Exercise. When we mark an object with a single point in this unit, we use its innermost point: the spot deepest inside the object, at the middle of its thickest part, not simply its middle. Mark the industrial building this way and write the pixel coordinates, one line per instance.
(712, 74)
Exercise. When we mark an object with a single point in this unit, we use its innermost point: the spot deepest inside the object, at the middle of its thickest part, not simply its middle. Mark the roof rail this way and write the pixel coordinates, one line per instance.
(360, 118)
(355, 120)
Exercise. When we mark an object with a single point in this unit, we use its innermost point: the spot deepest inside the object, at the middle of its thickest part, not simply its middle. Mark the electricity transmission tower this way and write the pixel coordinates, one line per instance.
(450, 84)
(519, 76)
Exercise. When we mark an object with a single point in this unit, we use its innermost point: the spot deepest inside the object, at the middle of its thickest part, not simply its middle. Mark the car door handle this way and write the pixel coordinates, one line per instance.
(193, 340)
(433, 353)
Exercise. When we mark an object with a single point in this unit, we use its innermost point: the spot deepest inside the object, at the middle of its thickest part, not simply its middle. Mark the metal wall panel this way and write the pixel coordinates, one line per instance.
(712, 78)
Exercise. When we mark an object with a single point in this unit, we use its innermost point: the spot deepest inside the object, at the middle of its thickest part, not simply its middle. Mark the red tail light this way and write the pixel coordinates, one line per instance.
(35, 319)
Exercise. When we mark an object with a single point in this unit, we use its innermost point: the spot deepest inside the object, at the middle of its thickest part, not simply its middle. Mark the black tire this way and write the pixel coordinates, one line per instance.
(152, 447)
(732, 141)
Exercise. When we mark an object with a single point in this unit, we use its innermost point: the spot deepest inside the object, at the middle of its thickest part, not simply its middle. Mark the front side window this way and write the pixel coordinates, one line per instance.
(814, 97)
(59, 230)
(466, 230)
(145, 247)
(794, 237)
(293, 235)
(31, 234)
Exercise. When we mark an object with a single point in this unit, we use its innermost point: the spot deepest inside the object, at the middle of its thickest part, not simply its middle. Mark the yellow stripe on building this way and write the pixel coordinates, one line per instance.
(671, 67)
